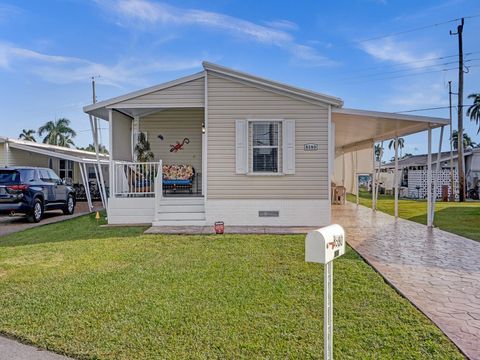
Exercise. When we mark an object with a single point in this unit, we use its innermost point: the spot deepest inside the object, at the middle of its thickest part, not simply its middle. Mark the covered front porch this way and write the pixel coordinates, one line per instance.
(157, 153)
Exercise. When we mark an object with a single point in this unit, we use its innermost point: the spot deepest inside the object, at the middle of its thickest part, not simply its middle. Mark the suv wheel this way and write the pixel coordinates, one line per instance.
(69, 206)
(37, 211)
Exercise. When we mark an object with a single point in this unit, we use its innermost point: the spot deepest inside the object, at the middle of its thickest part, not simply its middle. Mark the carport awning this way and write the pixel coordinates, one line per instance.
(359, 129)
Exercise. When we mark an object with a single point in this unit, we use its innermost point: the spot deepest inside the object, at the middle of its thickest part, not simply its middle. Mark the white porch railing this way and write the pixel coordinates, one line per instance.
(136, 179)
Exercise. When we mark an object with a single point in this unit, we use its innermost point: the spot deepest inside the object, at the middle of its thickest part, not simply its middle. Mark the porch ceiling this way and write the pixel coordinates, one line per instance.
(358, 129)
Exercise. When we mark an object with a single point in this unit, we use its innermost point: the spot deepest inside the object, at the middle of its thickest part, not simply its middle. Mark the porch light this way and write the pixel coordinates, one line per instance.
(203, 128)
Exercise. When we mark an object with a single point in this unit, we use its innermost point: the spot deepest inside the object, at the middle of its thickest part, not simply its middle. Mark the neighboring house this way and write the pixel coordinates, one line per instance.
(263, 152)
(78, 166)
(413, 171)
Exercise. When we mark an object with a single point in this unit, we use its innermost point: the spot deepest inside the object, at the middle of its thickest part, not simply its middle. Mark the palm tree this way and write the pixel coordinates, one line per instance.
(474, 110)
(27, 135)
(91, 147)
(58, 132)
(401, 144)
(467, 141)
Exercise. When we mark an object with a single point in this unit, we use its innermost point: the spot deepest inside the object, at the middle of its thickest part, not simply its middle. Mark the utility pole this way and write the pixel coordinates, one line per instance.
(461, 174)
(452, 176)
(94, 97)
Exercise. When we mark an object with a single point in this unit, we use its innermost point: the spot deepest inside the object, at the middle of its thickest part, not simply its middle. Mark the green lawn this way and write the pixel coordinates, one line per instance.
(114, 293)
(459, 218)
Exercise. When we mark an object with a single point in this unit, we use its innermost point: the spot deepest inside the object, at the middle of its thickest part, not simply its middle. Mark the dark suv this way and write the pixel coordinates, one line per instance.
(31, 191)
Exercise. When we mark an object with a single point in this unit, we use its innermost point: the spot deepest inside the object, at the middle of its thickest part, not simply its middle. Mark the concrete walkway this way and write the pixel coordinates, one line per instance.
(13, 350)
(437, 271)
(9, 225)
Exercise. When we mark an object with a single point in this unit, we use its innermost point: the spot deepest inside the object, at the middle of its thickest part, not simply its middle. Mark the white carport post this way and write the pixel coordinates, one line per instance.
(357, 187)
(395, 179)
(379, 172)
(86, 186)
(101, 184)
(99, 187)
(374, 171)
(429, 180)
(437, 174)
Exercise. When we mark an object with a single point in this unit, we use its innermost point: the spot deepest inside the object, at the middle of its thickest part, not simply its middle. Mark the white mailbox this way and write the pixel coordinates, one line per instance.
(325, 244)
(322, 246)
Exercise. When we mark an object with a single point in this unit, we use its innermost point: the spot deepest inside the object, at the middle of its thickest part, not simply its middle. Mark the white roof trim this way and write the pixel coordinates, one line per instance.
(134, 94)
(304, 93)
(393, 116)
(57, 155)
(33, 146)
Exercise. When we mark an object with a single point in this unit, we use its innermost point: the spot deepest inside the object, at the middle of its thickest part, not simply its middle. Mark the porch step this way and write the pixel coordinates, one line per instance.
(179, 223)
(181, 201)
(180, 216)
(180, 211)
(181, 208)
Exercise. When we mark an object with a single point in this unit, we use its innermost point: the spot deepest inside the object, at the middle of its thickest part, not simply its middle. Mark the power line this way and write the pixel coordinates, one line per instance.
(407, 69)
(406, 75)
(411, 62)
(416, 29)
(427, 109)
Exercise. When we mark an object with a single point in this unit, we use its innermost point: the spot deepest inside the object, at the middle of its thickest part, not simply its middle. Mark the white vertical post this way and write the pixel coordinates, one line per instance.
(357, 188)
(395, 177)
(437, 174)
(99, 187)
(377, 190)
(343, 168)
(328, 310)
(205, 142)
(429, 180)
(86, 185)
(330, 152)
(374, 171)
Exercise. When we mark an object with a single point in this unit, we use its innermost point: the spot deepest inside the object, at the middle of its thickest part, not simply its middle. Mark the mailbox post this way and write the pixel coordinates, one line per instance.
(323, 246)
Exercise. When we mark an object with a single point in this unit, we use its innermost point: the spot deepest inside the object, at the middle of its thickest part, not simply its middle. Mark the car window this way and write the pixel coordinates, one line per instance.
(44, 175)
(9, 177)
(53, 177)
(27, 175)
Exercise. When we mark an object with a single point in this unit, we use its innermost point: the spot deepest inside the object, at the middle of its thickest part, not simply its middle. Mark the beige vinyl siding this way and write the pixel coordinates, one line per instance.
(175, 125)
(189, 94)
(230, 100)
(19, 157)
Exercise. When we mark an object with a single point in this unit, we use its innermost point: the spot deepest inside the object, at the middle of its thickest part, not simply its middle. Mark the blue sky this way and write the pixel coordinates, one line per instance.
(50, 49)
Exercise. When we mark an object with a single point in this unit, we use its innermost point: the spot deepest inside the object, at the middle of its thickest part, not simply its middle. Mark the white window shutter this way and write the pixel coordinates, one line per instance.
(288, 131)
(241, 146)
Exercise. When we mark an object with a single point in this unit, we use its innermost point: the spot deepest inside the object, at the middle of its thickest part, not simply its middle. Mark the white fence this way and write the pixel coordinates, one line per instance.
(136, 179)
(417, 183)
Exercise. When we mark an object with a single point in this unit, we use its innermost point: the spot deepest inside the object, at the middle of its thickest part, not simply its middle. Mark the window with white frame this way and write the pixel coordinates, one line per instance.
(66, 169)
(265, 140)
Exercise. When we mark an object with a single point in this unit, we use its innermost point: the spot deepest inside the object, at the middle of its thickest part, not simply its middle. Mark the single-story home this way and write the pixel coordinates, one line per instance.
(78, 166)
(233, 147)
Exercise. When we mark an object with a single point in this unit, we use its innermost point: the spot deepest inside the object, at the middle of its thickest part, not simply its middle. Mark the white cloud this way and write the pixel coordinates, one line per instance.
(419, 94)
(398, 52)
(282, 24)
(145, 13)
(65, 69)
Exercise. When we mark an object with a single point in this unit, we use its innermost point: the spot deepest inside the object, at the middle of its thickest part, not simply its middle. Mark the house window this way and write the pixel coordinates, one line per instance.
(265, 146)
(66, 169)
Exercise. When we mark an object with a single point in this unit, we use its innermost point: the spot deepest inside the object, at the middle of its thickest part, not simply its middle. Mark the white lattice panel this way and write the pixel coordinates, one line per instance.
(417, 183)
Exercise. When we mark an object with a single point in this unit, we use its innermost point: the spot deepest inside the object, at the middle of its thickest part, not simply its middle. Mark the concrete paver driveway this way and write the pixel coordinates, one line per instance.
(437, 271)
(9, 225)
